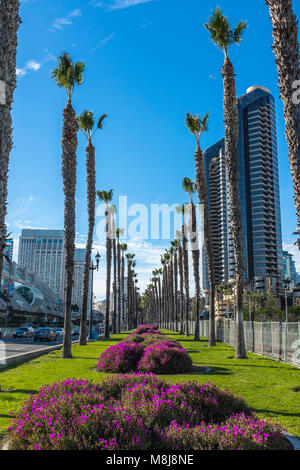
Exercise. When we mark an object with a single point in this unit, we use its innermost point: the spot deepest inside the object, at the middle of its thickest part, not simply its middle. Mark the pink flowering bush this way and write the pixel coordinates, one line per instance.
(120, 357)
(147, 329)
(165, 358)
(138, 412)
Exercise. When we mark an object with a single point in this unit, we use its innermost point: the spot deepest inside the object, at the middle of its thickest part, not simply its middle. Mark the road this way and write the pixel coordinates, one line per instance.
(15, 347)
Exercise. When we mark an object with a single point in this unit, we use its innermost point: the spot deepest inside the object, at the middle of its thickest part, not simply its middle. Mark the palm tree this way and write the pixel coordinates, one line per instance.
(175, 244)
(114, 251)
(286, 50)
(224, 36)
(119, 232)
(67, 75)
(180, 269)
(86, 123)
(123, 248)
(183, 211)
(130, 266)
(190, 187)
(197, 127)
(106, 197)
(10, 21)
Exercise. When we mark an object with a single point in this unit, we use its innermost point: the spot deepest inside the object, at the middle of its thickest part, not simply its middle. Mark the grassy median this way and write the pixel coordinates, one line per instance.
(271, 388)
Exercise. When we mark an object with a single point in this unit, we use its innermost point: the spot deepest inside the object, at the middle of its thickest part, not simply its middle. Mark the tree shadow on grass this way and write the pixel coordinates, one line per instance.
(275, 412)
(208, 370)
(26, 392)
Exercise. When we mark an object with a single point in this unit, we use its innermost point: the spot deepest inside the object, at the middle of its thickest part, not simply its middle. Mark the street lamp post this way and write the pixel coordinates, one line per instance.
(93, 267)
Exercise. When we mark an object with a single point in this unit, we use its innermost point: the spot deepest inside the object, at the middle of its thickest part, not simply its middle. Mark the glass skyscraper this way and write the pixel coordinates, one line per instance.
(260, 199)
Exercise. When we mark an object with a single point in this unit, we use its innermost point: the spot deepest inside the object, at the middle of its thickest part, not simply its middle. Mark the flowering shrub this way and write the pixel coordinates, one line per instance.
(156, 339)
(165, 358)
(121, 357)
(238, 432)
(138, 412)
(148, 329)
(146, 350)
(133, 338)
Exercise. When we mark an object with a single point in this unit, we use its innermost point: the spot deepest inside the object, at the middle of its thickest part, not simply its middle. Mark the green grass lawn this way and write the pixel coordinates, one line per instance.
(267, 386)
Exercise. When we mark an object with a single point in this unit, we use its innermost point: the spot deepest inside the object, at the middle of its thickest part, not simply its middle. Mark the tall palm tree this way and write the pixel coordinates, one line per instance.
(67, 75)
(130, 265)
(175, 244)
(286, 50)
(224, 36)
(9, 25)
(190, 187)
(123, 248)
(114, 252)
(181, 280)
(86, 123)
(106, 197)
(183, 210)
(197, 127)
(119, 232)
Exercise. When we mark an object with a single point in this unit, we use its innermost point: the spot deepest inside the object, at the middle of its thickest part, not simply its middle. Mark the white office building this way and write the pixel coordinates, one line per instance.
(41, 252)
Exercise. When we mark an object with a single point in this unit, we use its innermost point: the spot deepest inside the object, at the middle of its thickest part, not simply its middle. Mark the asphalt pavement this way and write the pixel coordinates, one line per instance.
(14, 347)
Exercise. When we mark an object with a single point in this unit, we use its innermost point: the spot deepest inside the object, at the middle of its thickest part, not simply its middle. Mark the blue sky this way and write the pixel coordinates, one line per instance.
(147, 63)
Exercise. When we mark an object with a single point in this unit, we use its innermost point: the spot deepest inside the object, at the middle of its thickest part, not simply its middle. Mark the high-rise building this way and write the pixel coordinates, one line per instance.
(289, 268)
(9, 248)
(259, 191)
(41, 252)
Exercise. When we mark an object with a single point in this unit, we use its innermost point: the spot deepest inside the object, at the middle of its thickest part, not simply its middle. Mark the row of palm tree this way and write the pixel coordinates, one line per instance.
(68, 75)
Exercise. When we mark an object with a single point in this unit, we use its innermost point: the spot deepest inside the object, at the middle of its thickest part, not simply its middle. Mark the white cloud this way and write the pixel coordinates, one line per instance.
(103, 42)
(97, 4)
(121, 4)
(33, 65)
(75, 13)
(59, 23)
(20, 72)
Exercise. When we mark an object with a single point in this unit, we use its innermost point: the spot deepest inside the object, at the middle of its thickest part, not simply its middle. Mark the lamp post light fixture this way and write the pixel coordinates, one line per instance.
(93, 267)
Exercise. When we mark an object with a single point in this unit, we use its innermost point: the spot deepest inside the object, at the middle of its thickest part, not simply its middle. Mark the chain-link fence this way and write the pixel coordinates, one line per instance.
(280, 341)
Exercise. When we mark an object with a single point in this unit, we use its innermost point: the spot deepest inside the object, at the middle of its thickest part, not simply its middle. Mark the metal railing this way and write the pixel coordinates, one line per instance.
(280, 341)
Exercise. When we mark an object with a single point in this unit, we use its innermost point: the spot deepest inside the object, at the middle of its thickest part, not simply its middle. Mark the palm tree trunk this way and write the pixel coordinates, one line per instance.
(160, 303)
(196, 259)
(123, 288)
(69, 163)
(9, 25)
(176, 289)
(180, 263)
(114, 319)
(286, 50)
(91, 197)
(186, 279)
(119, 286)
(203, 199)
(235, 216)
(108, 271)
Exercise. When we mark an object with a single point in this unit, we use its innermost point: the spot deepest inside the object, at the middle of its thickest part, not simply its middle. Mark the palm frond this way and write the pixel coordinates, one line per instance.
(86, 121)
(238, 32)
(100, 122)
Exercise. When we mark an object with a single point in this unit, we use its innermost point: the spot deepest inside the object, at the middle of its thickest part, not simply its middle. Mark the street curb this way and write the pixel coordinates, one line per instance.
(293, 440)
(24, 357)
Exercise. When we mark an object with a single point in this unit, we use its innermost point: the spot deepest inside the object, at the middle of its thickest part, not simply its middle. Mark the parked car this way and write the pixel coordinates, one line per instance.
(59, 332)
(75, 332)
(45, 334)
(1, 333)
(23, 332)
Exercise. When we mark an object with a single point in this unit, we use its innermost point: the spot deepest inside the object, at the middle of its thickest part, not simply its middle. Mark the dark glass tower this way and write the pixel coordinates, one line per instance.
(260, 199)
